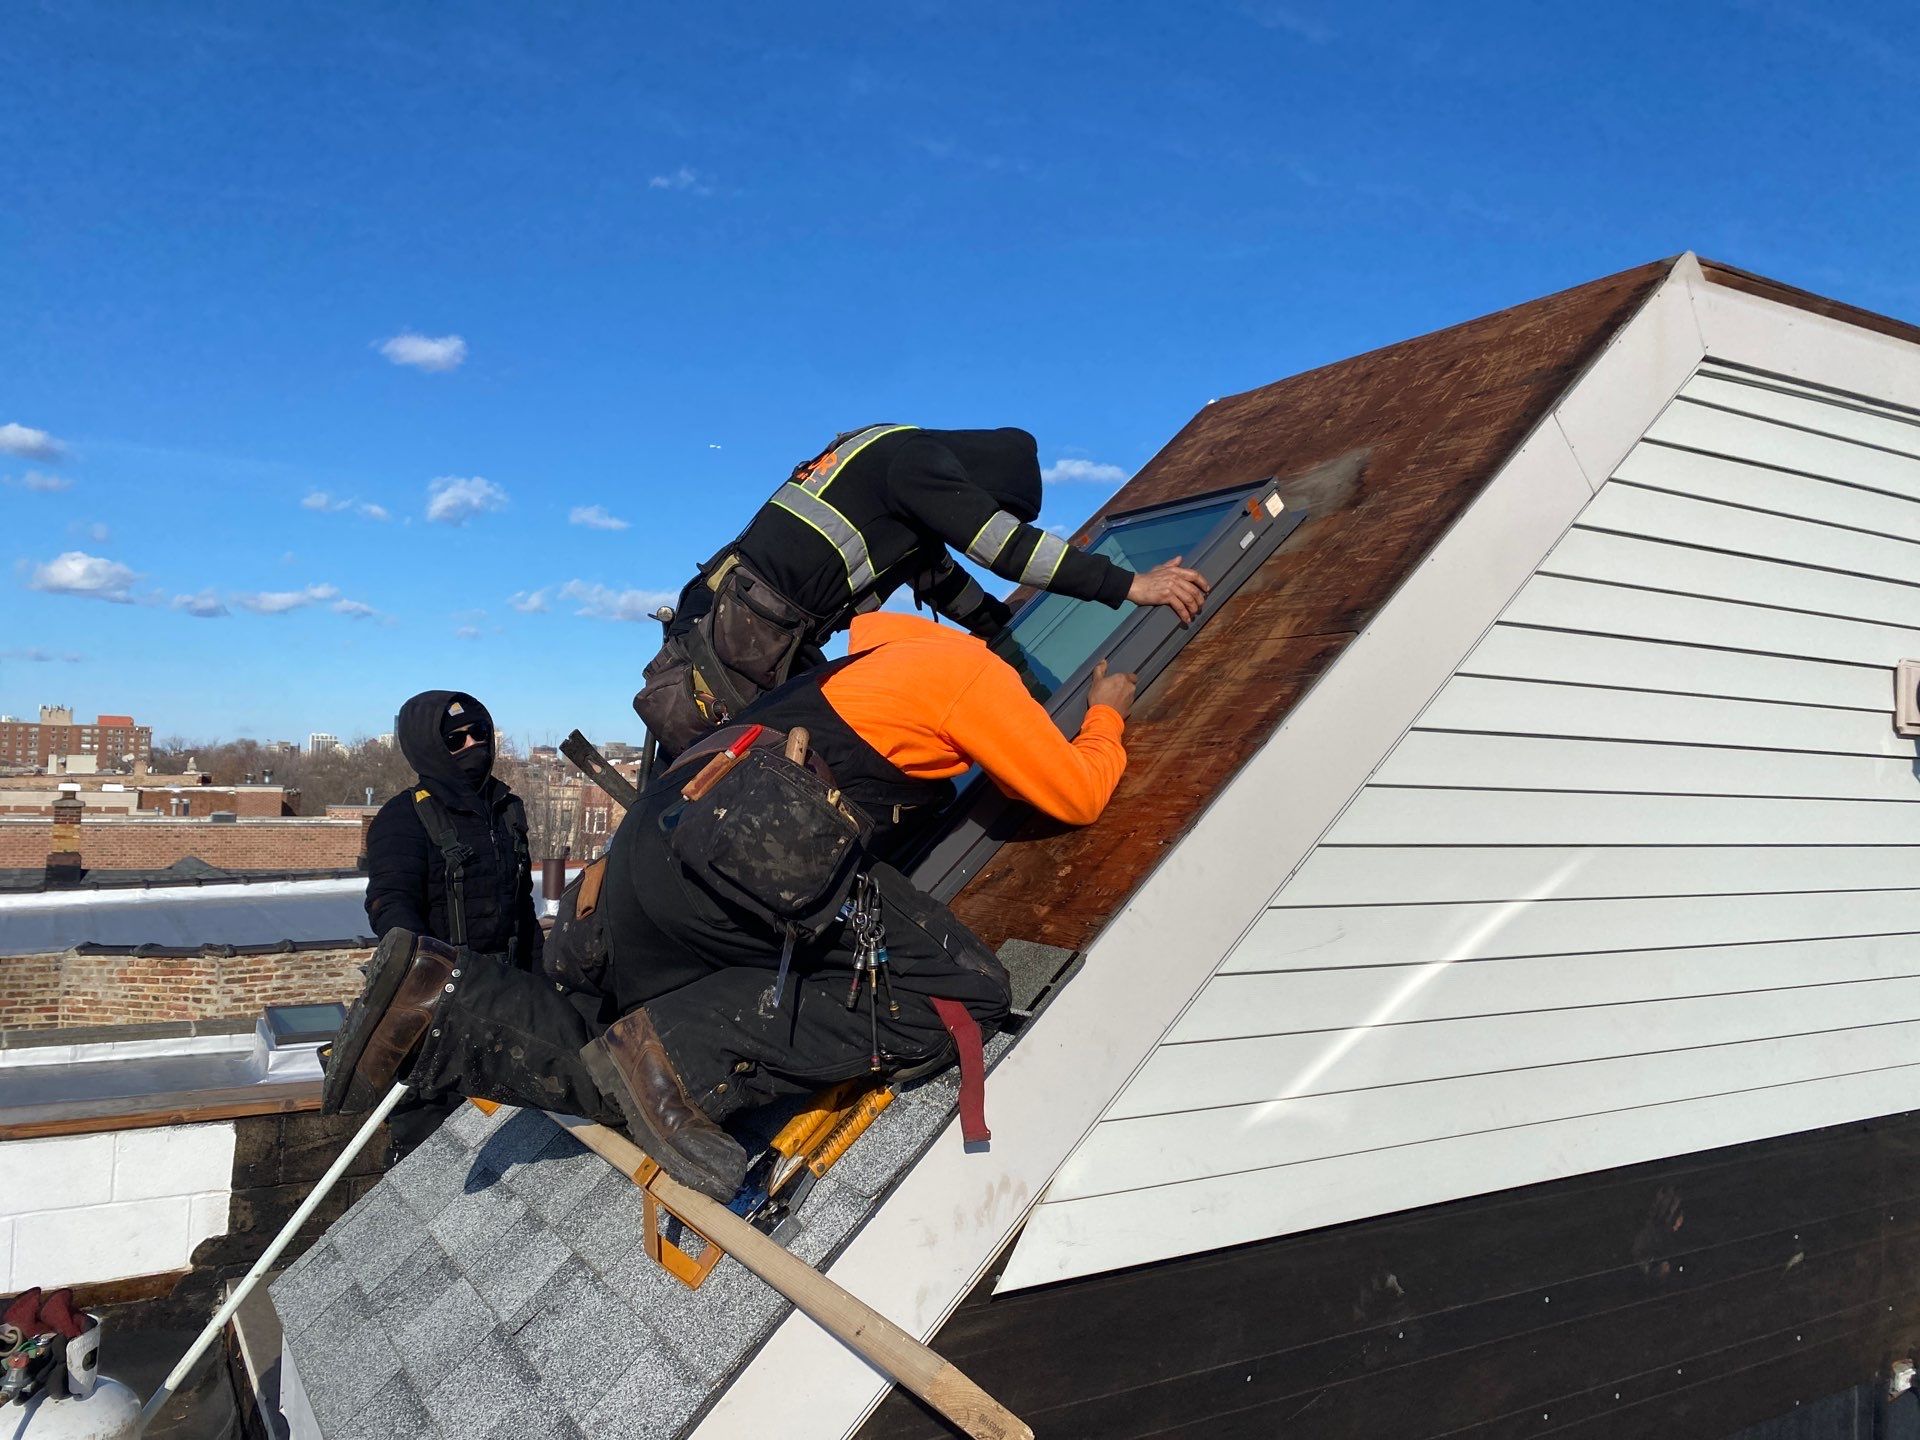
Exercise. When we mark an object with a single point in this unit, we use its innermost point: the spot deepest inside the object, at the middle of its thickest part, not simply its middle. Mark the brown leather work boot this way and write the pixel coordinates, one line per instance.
(406, 979)
(630, 1064)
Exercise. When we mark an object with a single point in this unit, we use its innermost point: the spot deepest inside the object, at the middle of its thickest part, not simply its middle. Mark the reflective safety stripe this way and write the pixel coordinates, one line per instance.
(828, 465)
(986, 546)
(1044, 563)
(800, 497)
(835, 528)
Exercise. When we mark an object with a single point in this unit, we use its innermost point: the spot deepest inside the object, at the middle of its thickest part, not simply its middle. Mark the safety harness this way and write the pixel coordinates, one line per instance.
(438, 824)
(802, 497)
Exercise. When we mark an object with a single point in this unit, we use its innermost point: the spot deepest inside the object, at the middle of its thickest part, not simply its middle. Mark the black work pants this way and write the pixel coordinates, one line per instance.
(509, 1036)
(704, 970)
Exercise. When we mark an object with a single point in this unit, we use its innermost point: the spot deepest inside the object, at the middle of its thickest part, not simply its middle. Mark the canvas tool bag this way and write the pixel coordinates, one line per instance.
(773, 836)
(744, 645)
(575, 954)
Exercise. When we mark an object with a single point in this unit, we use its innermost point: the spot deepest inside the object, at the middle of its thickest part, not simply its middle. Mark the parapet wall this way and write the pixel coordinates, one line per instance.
(43, 992)
(135, 843)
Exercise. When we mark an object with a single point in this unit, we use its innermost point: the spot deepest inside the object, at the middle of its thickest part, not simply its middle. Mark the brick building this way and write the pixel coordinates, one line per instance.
(189, 795)
(107, 842)
(114, 742)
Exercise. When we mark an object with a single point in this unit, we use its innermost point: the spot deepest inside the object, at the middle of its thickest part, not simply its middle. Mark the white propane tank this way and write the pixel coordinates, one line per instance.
(111, 1412)
(92, 1407)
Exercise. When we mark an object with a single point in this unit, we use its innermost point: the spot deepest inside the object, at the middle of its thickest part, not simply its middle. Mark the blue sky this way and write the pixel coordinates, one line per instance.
(680, 246)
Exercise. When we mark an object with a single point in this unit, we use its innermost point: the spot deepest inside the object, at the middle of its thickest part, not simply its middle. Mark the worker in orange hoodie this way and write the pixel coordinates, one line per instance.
(697, 1030)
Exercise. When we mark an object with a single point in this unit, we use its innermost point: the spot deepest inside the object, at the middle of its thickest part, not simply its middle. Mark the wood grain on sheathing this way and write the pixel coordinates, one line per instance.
(1435, 417)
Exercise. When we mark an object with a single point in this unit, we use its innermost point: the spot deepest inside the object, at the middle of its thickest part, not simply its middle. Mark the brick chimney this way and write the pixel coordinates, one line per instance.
(63, 862)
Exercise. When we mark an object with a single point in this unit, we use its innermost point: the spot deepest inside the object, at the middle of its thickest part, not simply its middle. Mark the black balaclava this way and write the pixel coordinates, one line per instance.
(421, 730)
(476, 761)
(1005, 463)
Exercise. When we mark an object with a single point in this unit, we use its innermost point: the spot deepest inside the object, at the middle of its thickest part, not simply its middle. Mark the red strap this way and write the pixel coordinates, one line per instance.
(965, 1031)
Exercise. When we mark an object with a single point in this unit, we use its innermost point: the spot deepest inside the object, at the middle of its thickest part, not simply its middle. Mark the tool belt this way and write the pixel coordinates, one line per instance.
(768, 834)
(742, 645)
(575, 953)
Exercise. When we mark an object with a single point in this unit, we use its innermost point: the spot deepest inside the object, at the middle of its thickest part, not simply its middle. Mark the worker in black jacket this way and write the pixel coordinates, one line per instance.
(879, 509)
(448, 856)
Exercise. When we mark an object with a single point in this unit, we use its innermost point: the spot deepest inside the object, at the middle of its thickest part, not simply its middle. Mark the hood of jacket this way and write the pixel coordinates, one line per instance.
(416, 730)
(1005, 463)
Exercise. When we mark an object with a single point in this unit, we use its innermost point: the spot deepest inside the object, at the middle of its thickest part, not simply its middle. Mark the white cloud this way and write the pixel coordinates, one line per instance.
(354, 609)
(603, 602)
(1077, 472)
(425, 352)
(29, 443)
(39, 480)
(467, 632)
(529, 602)
(685, 179)
(279, 602)
(595, 517)
(78, 573)
(452, 500)
(1291, 22)
(34, 655)
(204, 606)
(94, 530)
(327, 504)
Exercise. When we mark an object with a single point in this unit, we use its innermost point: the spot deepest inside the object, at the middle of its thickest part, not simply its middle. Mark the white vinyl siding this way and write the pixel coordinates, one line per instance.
(1642, 879)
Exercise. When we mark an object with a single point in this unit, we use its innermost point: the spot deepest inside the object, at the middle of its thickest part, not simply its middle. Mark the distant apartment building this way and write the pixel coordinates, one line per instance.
(109, 742)
(320, 742)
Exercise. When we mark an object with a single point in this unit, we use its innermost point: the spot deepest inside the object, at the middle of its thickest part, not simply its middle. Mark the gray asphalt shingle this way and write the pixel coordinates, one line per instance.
(494, 1283)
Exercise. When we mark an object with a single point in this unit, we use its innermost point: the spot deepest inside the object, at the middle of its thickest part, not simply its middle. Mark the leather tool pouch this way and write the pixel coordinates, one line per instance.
(741, 647)
(756, 631)
(772, 836)
(575, 953)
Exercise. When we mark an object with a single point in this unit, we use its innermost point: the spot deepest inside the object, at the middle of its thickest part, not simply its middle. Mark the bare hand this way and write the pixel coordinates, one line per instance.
(1115, 691)
(1171, 583)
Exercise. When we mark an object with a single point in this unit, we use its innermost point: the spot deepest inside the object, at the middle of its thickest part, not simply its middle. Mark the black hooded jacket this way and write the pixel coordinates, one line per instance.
(913, 495)
(406, 872)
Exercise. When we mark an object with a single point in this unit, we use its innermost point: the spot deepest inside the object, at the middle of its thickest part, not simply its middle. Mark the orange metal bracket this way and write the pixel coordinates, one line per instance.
(690, 1270)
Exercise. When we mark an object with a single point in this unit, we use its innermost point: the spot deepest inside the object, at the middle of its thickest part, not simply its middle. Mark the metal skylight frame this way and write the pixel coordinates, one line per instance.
(982, 818)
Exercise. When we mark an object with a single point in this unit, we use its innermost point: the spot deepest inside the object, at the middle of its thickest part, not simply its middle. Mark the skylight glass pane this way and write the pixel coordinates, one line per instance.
(1059, 634)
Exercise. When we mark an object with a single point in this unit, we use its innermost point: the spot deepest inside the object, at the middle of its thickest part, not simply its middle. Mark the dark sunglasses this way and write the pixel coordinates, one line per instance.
(457, 741)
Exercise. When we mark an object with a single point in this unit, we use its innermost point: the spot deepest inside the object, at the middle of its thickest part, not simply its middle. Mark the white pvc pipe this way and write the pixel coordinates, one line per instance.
(271, 1254)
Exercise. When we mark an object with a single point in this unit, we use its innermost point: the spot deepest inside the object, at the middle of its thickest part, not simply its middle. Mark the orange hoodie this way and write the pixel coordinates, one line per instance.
(935, 701)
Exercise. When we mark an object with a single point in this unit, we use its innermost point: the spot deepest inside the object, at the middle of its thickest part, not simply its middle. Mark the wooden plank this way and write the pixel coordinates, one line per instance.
(1124, 1154)
(1720, 432)
(1349, 1303)
(1860, 423)
(1083, 1237)
(1527, 817)
(876, 1339)
(1558, 603)
(1623, 508)
(1528, 762)
(86, 1117)
(1517, 652)
(1524, 707)
(1734, 482)
(1397, 875)
(1334, 998)
(1626, 560)
(1260, 1069)
(1311, 938)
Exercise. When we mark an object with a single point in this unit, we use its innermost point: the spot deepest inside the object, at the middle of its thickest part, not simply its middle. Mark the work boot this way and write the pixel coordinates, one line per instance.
(630, 1064)
(406, 979)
